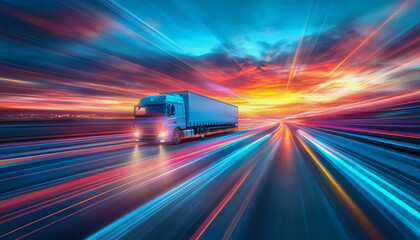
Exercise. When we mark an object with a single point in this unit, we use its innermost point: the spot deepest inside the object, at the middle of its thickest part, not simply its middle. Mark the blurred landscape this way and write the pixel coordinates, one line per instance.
(327, 145)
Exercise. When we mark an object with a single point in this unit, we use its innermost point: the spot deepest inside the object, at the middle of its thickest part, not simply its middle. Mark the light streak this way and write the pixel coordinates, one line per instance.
(369, 37)
(384, 193)
(15, 81)
(384, 132)
(296, 57)
(220, 206)
(184, 191)
(365, 222)
(268, 161)
(124, 175)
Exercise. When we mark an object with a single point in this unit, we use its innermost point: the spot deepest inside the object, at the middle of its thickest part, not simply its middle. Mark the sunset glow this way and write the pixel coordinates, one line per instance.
(103, 56)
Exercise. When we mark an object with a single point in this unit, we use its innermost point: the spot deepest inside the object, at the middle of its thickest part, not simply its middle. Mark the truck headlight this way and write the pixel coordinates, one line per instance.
(163, 134)
(137, 134)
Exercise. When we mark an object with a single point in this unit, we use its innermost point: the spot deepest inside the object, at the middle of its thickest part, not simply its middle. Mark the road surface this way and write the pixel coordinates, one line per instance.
(268, 180)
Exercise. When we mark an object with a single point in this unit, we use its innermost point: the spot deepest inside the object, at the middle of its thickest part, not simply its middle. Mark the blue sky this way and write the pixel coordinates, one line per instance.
(266, 56)
(200, 26)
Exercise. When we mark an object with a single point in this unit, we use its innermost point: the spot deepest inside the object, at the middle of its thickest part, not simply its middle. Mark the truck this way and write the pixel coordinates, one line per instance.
(171, 117)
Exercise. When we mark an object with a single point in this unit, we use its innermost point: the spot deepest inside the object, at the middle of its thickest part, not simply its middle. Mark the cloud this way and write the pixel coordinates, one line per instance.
(60, 24)
(88, 51)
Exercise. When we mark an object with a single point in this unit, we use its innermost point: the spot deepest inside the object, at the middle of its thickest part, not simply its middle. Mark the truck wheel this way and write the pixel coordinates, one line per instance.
(177, 136)
(202, 133)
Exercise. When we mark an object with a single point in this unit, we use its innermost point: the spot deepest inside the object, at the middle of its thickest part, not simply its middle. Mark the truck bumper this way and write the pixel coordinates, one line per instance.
(167, 139)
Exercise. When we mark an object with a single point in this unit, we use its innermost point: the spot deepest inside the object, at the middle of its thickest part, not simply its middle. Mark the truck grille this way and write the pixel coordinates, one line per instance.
(149, 130)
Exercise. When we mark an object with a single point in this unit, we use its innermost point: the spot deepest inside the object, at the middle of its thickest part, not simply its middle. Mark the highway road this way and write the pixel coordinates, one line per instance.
(268, 180)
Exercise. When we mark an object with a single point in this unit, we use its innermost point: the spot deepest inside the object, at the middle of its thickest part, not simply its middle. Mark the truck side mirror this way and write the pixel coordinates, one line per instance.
(172, 110)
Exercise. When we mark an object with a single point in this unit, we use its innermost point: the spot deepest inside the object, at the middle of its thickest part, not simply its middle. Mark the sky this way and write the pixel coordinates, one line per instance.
(274, 59)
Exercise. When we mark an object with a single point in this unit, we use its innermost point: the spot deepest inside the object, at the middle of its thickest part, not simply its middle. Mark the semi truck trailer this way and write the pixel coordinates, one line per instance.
(171, 117)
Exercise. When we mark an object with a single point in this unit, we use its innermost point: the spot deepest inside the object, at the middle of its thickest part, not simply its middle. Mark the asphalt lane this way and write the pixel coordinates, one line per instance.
(269, 180)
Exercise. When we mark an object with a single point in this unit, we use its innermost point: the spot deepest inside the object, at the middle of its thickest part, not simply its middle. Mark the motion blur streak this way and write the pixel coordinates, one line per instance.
(370, 229)
(336, 176)
(328, 145)
(222, 204)
(109, 180)
(370, 36)
(177, 195)
(95, 59)
(219, 207)
(401, 204)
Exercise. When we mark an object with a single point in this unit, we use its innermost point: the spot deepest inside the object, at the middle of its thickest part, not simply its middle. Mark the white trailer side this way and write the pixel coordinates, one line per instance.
(205, 111)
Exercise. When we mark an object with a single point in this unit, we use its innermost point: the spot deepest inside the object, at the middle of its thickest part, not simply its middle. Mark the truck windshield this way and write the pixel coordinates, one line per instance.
(150, 110)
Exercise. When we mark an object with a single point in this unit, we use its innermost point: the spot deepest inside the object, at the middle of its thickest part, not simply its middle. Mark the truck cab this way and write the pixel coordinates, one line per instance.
(160, 118)
(174, 116)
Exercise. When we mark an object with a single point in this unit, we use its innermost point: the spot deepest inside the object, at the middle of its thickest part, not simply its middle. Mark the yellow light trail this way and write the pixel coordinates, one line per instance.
(370, 229)
(369, 37)
(16, 81)
(221, 205)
